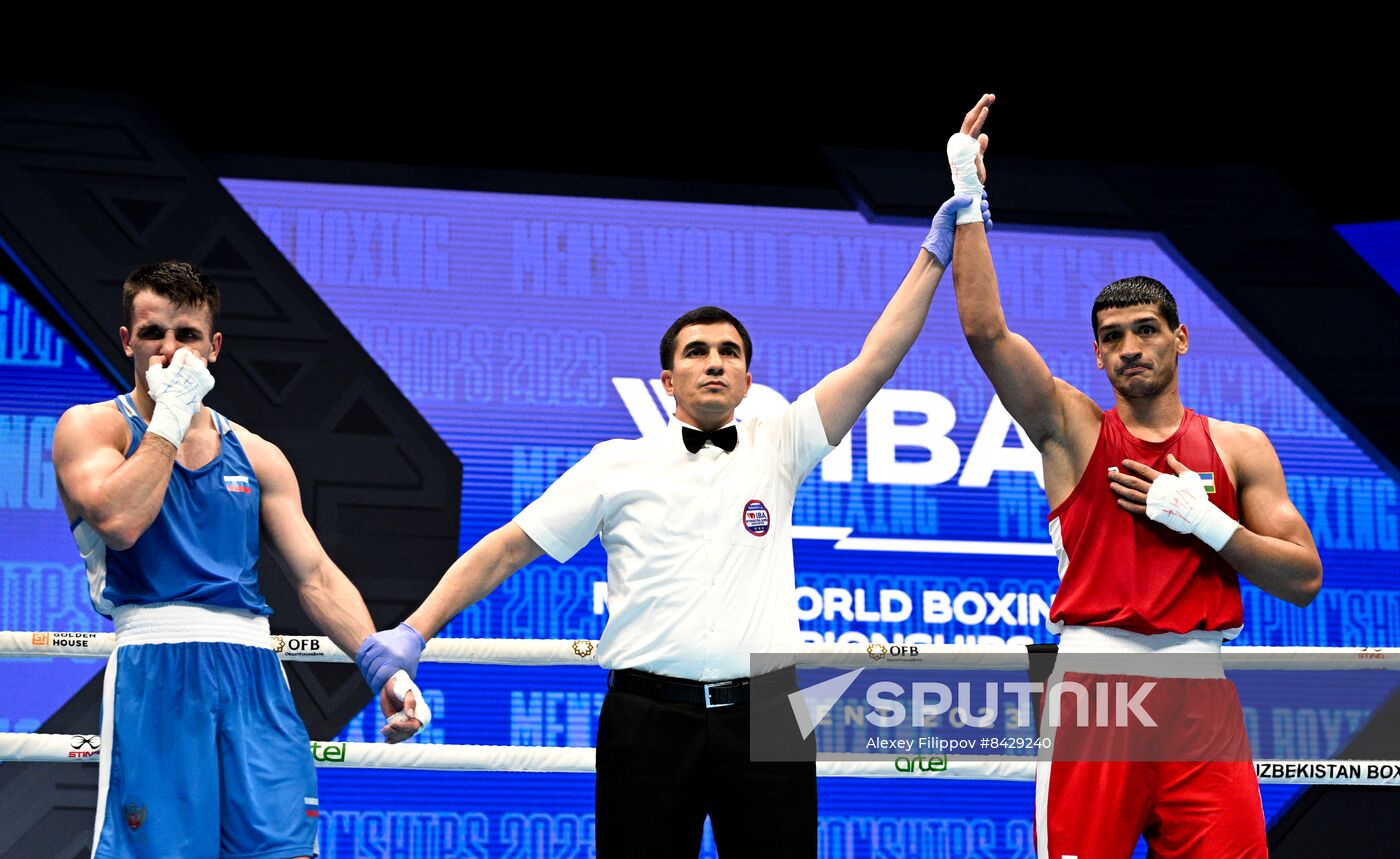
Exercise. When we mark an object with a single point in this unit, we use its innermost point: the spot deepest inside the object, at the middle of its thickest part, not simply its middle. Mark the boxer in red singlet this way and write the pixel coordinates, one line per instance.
(1155, 510)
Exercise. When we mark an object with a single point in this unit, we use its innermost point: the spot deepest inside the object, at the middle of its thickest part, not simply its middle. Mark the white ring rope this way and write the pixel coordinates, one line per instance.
(79, 748)
(84, 748)
(523, 651)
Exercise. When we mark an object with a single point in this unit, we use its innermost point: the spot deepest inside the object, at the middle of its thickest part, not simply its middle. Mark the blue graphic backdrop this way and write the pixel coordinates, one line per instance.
(525, 330)
(1379, 244)
(42, 584)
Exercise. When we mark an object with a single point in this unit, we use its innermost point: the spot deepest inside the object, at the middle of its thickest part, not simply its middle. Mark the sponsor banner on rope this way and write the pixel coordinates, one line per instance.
(66, 640)
(84, 746)
(1306, 772)
(328, 753)
(305, 647)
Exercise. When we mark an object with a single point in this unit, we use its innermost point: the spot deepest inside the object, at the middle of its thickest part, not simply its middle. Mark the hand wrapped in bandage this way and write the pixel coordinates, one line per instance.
(389, 662)
(1178, 501)
(178, 390)
(407, 711)
(962, 161)
(965, 151)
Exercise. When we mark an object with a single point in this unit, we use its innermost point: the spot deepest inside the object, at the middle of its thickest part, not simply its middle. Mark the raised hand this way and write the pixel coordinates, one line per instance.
(972, 127)
(965, 158)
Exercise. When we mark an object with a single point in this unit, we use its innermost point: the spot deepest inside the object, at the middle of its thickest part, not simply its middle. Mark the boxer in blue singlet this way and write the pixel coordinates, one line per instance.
(203, 753)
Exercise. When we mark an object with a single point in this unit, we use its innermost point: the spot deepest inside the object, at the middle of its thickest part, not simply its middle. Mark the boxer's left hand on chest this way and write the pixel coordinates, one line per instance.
(1178, 501)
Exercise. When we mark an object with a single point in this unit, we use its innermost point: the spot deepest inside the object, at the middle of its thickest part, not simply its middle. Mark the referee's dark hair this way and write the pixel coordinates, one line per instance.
(702, 316)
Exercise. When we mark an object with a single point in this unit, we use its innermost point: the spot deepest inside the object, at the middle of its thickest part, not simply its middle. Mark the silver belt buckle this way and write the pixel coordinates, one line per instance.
(709, 686)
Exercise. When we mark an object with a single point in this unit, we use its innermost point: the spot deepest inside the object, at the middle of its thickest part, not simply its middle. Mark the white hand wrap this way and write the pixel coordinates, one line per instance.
(1179, 501)
(962, 159)
(178, 391)
(399, 686)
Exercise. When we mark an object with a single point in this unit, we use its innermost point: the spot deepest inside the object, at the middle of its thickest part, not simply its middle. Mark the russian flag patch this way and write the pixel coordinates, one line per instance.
(313, 807)
(238, 483)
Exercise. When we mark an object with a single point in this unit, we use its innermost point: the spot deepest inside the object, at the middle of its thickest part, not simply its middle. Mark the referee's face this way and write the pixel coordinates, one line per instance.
(708, 376)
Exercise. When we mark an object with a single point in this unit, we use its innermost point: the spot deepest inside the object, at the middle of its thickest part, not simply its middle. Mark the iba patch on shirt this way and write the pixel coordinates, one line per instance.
(756, 518)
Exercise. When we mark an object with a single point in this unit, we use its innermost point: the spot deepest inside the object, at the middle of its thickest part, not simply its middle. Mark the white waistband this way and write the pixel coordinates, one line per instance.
(1105, 650)
(1106, 639)
(175, 622)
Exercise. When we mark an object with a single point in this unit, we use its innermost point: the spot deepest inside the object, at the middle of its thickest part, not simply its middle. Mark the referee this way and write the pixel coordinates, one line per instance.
(697, 525)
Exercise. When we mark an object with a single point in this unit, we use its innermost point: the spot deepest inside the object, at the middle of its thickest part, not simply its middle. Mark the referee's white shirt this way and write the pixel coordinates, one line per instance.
(694, 586)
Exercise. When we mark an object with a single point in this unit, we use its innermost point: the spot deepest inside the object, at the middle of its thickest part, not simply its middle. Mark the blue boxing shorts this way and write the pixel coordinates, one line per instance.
(203, 753)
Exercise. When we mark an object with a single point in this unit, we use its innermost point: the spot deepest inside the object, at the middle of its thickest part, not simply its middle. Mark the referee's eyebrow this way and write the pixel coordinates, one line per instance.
(723, 344)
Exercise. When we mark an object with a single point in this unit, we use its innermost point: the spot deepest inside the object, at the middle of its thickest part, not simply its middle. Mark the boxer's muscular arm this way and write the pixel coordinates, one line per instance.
(1053, 413)
(330, 599)
(118, 497)
(327, 595)
(1274, 547)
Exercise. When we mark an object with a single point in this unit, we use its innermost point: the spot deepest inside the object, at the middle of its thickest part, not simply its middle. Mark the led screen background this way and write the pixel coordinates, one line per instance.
(525, 329)
(42, 584)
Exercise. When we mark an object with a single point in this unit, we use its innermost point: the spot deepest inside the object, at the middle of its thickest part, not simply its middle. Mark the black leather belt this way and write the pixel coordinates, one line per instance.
(724, 693)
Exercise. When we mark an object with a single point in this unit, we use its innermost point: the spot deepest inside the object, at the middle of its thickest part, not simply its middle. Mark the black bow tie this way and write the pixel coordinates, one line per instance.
(725, 439)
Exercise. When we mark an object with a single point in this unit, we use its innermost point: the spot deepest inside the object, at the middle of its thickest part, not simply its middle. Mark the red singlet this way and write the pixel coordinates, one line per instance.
(1123, 570)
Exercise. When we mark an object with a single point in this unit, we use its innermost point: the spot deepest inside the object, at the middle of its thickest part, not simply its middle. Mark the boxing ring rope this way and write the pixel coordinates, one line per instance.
(83, 748)
(60, 748)
(542, 652)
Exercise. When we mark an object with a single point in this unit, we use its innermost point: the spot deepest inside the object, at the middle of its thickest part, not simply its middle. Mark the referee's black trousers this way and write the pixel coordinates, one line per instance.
(664, 766)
